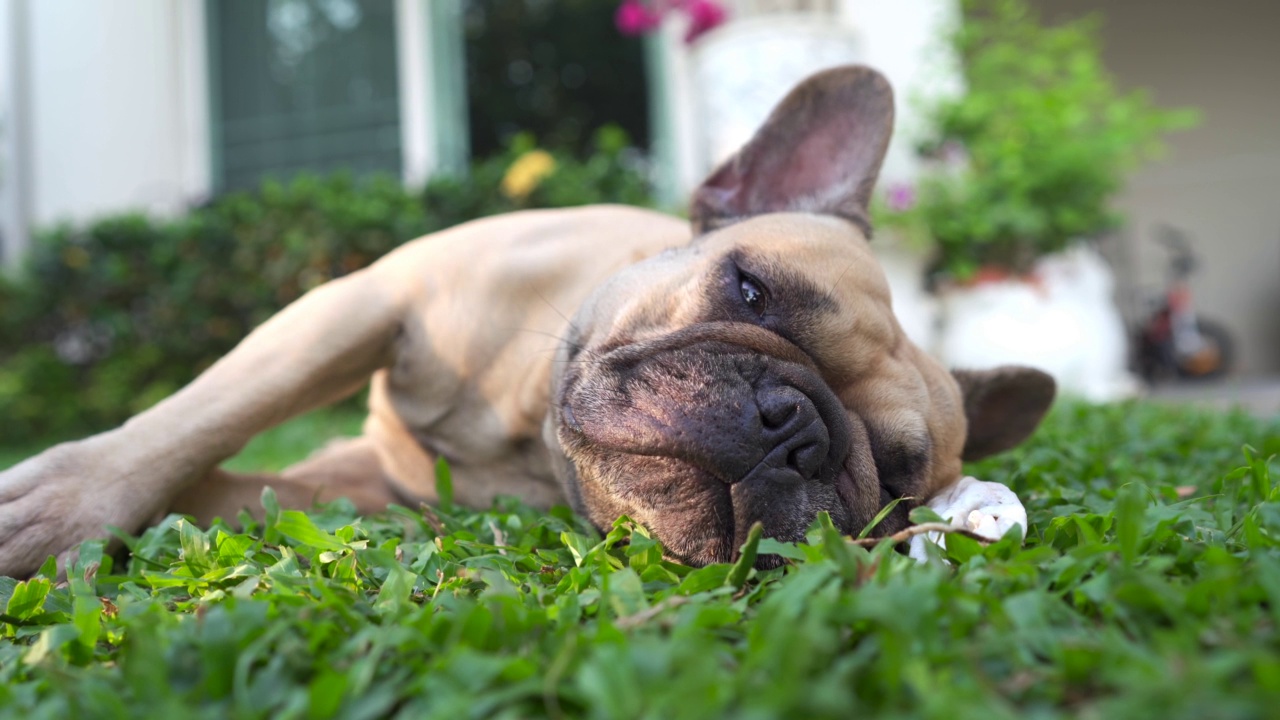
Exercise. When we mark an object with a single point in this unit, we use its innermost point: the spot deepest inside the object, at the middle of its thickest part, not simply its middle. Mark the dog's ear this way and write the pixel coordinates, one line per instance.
(819, 151)
(1003, 406)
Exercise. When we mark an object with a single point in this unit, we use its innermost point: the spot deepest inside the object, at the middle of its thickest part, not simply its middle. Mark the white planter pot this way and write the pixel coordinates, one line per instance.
(1063, 321)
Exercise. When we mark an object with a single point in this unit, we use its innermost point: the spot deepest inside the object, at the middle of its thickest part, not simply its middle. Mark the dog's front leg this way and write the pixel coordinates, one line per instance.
(322, 347)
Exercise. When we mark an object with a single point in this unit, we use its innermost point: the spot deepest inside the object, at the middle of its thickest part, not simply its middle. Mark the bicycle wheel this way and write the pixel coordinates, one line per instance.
(1217, 356)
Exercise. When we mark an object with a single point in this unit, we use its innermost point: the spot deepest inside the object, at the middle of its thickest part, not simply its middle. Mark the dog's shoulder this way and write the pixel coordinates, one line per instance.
(487, 304)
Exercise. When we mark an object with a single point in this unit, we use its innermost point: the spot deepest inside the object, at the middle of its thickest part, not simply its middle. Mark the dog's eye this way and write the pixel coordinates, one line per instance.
(753, 293)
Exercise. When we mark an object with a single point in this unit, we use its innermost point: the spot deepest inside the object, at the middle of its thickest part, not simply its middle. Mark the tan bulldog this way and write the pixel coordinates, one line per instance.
(749, 370)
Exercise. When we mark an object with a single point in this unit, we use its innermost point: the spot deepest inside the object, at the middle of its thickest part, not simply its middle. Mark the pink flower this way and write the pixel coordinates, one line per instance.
(953, 154)
(635, 18)
(704, 16)
(900, 197)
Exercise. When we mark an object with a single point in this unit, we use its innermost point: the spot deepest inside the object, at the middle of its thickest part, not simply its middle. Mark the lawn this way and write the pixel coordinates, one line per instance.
(1149, 587)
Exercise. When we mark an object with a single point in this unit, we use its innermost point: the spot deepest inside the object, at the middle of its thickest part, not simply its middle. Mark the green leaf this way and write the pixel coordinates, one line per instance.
(849, 559)
(296, 526)
(49, 644)
(7, 586)
(28, 598)
(643, 551)
(396, 588)
(195, 548)
(790, 551)
(1130, 507)
(90, 563)
(961, 548)
(706, 578)
(880, 516)
(578, 545)
(87, 618)
(625, 592)
(444, 485)
(325, 693)
(49, 568)
(747, 557)
(271, 534)
(1260, 473)
(231, 549)
(925, 514)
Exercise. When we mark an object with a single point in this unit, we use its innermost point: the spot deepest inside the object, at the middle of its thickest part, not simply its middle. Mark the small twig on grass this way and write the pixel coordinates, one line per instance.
(432, 518)
(644, 616)
(921, 529)
(499, 538)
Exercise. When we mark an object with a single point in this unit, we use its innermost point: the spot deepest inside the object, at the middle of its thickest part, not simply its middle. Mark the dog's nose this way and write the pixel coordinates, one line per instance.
(794, 436)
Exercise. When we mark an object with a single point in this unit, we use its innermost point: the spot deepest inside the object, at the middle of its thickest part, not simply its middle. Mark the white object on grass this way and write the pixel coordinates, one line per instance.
(986, 508)
(1065, 323)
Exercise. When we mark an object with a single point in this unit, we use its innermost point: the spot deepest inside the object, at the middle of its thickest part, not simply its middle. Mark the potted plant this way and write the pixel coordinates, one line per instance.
(1019, 169)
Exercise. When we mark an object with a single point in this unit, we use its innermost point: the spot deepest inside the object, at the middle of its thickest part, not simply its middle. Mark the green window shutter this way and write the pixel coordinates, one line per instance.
(302, 86)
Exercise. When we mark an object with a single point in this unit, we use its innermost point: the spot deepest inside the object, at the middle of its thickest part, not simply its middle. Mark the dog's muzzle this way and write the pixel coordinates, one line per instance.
(734, 417)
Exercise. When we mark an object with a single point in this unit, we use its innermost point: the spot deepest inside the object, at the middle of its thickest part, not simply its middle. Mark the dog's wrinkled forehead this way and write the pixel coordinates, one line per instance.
(827, 253)
(823, 289)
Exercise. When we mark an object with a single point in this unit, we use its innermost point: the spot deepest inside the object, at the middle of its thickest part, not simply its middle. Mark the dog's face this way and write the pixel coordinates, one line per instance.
(758, 374)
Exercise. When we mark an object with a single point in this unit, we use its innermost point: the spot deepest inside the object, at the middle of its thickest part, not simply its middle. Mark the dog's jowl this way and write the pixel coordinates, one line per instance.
(699, 377)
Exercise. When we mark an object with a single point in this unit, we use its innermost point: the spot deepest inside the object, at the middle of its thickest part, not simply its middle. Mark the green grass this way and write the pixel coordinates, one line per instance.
(286, 444)
(1128, 600)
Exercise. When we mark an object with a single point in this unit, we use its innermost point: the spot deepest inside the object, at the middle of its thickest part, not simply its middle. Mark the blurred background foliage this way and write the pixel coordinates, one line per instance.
(109, 318)
(1030, 157)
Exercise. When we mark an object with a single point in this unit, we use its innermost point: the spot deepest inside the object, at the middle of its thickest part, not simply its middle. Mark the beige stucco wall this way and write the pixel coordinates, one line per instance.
(1221, 181)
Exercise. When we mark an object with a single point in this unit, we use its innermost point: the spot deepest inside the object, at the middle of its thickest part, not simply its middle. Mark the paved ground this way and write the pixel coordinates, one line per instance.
(1260, 396)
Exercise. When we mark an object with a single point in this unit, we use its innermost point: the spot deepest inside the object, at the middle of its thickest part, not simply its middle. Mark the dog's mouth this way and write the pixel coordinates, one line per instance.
(708, 431)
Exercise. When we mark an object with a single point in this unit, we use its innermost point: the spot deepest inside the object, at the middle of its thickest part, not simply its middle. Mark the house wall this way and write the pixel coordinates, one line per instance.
(901, 39)
(13, 128)
(116, 110)
(1221, 180)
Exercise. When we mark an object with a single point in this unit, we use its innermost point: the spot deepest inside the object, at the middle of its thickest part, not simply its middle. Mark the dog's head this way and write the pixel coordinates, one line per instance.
(758, 374)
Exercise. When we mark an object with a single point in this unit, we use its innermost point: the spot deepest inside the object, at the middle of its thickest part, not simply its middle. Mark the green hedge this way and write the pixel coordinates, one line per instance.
(108, 318)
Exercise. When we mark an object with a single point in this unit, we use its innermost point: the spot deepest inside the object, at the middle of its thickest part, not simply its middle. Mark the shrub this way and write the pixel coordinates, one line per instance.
(109, 318)
(1029, 157)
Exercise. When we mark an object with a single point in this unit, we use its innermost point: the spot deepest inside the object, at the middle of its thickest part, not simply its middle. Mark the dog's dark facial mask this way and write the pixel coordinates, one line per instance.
(758, 374)
(707, 430)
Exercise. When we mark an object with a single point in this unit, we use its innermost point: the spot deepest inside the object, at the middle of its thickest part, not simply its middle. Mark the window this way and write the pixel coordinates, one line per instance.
(302, 85)
(557, 69)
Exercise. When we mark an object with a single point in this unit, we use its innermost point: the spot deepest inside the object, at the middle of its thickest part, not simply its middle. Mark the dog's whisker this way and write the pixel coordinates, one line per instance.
(840, 277)
(569, 321)
(577, 346)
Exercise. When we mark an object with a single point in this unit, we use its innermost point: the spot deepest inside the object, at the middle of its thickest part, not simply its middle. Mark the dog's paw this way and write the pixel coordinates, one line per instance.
(51, 502)
(988, 509)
